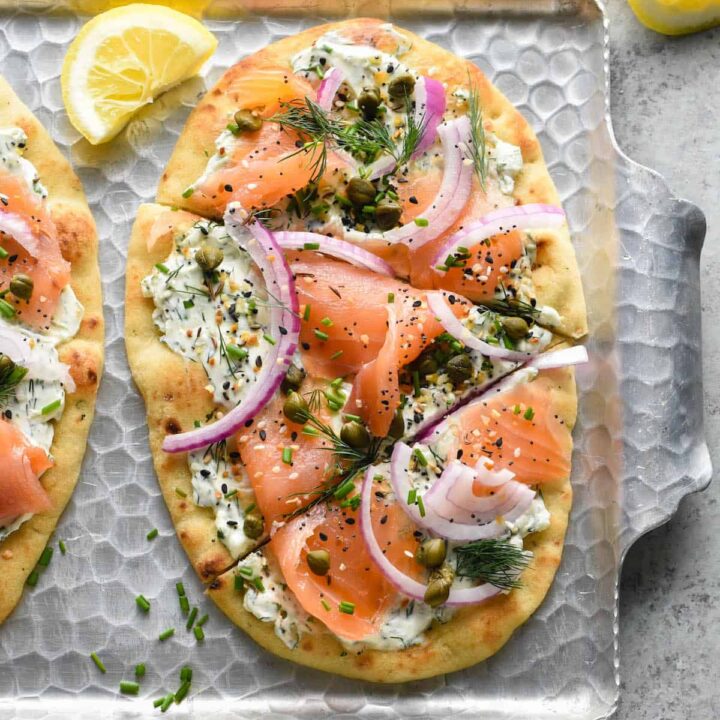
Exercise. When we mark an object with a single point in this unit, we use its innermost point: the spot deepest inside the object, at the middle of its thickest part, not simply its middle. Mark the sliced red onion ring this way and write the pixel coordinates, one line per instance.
(18, 229)
(328, 87)
(284, 328)
(575, 355)
(14, 345)
(442, 311)
(533, 216)
(337, 248)
(430, 107)
(400, 481)
(407, 585)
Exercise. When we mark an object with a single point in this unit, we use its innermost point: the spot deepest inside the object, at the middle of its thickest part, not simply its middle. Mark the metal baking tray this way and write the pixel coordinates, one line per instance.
(639, 439)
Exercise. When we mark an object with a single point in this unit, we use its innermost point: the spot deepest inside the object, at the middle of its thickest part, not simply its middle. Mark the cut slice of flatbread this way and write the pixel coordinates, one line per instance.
(68, 207)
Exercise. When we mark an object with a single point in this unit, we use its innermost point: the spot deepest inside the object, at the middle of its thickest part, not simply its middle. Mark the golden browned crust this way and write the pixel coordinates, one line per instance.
(167, 382)
(84, 353)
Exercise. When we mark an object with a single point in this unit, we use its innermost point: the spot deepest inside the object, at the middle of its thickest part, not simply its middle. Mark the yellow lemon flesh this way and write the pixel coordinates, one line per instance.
(677, 17)
(123, 59)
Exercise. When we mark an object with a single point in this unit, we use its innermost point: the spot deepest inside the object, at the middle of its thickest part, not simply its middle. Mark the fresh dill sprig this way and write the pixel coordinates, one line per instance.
(511, 306)
(493, 561)
(414, 132)
(477, 149)
(10, 376)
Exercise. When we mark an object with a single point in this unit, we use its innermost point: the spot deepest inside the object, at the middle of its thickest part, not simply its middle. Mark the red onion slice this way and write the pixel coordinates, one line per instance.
(430, 107)
(447, 528)
(575, 355)
(328, 87)
(533, 216)
(284, 328)
(18, 229)
(14, 345)
(437, 304)
(289, 240)
(407, 585)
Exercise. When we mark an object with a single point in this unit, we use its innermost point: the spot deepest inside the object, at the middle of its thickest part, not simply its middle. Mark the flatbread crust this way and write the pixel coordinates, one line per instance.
(556, 276)
(172, 387)
(20, 551)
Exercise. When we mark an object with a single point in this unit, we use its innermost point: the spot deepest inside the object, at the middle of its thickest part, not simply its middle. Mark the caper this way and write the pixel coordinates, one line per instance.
(355, 435)
(246, 121)
(431, 553)
(360, 191)
(293, 379)
(387, 214)
(295, 408)
(208, 257)
(21, 286)
(427, 366)
(369, 102)
(438, 589)
(253, 526)
(459, 368)
(515, 327)
(6, 365)
(397, 426)
(318, 561)
(401, 87)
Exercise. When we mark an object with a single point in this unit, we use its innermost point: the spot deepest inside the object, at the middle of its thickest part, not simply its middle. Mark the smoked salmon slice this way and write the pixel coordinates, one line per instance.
(46, 266)
(517, 430)
(22, 463)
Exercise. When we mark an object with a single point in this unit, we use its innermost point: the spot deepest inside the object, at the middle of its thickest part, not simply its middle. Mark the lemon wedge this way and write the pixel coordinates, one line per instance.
(123, 59)
(677, 17)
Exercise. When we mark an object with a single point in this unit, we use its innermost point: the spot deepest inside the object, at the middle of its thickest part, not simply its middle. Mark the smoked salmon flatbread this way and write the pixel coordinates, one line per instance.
(51, 339)
(349, 315)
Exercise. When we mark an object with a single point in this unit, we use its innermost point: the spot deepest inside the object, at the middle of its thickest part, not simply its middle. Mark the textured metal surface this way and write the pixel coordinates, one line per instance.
(639, 436)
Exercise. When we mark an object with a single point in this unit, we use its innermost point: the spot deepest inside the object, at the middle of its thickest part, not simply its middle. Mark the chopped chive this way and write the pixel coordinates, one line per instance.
(152, 534)
(203, 620)
(128, 687)
(346, 607)
(250, 508)
(187, 304)
(287, 455)
(334, 405)
(233, 128)
(412, 496)
(182, 692)
(140, 670)
(239, 583)
(157, 703)
(344, 489)
(269, 339)
(336, 383)
(186, 674)
(516, 410)
(529, 414)
(51, 407)
(180, 588)
(46, 557)
(336, 354)
(325, 604)
(6, 309)
(309, 430)
(311, 246)
(320, 335)
(306, 312)
(357, 418)
(33, 578)
(98, 662)
(343, 200)
(163, 268)
(416, 382)
(184, 604)
(327, 322)
(369, 209)
(188, 192)
(391, 297)
(197, 423)
(180, 492)
(258, 583)
(143, 603)
(198, 632)
(62, 546)
(419, 457)
(421, 222)
(246, 571)
(167, 702)
(236, 353)
(165, 634)
(231, 494)
(191, 618)
(3, 253)
(421, 505)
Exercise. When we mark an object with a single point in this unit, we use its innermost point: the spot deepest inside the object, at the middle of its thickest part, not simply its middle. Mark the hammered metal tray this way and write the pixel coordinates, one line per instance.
(639, 440)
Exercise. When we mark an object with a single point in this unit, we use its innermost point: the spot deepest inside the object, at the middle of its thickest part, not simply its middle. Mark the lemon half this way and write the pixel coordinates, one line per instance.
(677, 17)
(123, 59)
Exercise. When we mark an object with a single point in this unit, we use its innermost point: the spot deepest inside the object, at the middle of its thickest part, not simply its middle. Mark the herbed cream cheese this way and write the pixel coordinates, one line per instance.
(13, 142)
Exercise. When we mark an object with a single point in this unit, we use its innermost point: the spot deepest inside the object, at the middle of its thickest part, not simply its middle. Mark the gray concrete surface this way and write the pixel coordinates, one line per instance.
(665, 97)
